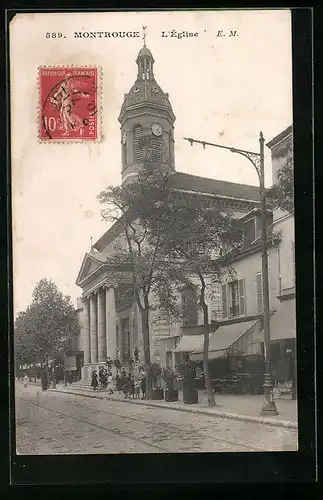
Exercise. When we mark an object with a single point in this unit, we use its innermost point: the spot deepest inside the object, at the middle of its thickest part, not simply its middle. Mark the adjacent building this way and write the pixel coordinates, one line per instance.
(239, 322)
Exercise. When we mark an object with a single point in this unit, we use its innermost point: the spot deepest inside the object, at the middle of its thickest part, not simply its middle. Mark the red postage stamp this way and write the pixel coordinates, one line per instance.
(69, 104)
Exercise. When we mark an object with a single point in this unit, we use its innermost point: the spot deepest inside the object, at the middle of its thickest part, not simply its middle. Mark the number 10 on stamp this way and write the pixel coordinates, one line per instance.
(68, 104)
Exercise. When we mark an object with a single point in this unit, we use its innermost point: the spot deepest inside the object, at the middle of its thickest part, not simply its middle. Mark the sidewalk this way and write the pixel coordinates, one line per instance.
(242, 407)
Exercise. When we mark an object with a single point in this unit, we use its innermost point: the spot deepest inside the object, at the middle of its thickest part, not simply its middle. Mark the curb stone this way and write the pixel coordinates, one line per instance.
(232, 416)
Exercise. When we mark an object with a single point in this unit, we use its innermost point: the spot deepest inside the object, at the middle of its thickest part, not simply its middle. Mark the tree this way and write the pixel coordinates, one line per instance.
(282, 192)
(25, 352)
(134, 208)
(43, 330)
(166, 239)
(194, 233)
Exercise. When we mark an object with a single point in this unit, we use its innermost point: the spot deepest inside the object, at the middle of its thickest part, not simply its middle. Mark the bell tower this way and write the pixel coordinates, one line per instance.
(146, 119)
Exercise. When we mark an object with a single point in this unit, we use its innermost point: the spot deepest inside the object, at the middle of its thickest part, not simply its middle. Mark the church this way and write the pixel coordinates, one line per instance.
(110, 319)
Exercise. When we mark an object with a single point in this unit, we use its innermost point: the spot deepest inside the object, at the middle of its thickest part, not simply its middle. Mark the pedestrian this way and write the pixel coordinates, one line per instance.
(105, 378)
(143, 386)
(25, 381)
(117, 364)
(125, 383)
(109, 363)
(118, 383)
(101, 377)
(94, 380)
(137, 389)
(110, 382)
(131, 387)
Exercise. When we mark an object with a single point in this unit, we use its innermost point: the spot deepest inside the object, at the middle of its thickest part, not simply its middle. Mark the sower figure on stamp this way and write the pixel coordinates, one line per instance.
(64, 99)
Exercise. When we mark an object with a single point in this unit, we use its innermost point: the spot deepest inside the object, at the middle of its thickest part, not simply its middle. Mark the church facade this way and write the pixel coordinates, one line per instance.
(110, 318)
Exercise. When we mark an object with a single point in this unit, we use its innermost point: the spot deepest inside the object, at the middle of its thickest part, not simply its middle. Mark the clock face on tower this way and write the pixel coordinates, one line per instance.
(124, 137)
(157, 129)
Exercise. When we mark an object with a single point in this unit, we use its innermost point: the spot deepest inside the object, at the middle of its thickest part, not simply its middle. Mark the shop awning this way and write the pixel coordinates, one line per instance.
(189, 343)
(283, 322)
(222, 353)
(222, 339)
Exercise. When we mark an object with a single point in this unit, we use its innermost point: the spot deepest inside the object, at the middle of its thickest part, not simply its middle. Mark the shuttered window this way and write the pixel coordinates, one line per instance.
(259, 293)
(237, 305)
(241, 297)
(138, 149)
(224, 302)
(249, 232)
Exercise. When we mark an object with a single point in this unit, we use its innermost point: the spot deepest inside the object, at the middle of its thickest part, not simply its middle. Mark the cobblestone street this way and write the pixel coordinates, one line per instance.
(58, 423)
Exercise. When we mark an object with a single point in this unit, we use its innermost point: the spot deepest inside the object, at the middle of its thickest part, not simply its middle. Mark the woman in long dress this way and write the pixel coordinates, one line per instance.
(94, 381)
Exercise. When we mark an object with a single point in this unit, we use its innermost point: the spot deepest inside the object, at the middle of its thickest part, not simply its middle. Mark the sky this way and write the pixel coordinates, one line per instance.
(223, 89)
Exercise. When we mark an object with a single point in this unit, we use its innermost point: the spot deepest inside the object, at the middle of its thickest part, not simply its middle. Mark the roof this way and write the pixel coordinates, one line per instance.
(189, 182)
(144, 51)
(283, 322)
(285, 133)
(146, 93)
(226, 335)
(97, 255)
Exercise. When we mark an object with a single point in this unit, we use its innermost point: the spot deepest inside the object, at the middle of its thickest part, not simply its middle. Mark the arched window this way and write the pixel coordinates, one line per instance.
(189, 307)
(138, 149)
(156, 146)
(124, 155)
(170, 140)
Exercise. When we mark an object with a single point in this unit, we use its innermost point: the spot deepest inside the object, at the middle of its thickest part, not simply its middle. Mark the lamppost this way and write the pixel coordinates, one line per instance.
(257, 161)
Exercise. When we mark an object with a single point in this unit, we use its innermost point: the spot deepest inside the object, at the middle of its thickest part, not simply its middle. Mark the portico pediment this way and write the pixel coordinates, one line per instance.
(90, 264)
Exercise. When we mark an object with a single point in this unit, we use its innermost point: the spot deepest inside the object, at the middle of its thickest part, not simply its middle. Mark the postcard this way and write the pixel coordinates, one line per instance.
(153, 232)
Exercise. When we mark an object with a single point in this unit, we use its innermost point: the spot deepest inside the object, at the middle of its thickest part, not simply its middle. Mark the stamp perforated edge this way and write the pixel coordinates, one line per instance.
(99, 137)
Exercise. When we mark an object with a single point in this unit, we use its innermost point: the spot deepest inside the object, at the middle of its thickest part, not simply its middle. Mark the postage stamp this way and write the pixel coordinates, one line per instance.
(69, 103)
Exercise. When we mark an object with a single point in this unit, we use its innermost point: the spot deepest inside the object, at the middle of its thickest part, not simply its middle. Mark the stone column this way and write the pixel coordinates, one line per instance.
(110, 308)
(93, 329)
(86, 337)
(101, 326)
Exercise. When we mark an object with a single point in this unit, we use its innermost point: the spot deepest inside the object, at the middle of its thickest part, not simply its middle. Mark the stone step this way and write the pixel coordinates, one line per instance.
(84, 386)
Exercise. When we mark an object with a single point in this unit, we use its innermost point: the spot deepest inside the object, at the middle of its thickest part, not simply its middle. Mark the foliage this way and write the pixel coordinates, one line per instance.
(186, 369)
(172, 240)
(154, 373)
(45, 328)
(133, 208)
(193, 234)
(170, 377)
(282, 192)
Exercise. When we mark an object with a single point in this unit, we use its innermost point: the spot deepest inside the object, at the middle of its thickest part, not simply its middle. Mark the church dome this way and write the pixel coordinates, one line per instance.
(144, 51)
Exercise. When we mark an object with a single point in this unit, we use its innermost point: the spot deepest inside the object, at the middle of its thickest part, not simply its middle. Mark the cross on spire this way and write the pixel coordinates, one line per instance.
(144, 35)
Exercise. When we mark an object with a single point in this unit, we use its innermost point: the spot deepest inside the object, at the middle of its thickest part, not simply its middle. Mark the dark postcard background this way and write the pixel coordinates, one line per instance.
(293, 467)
